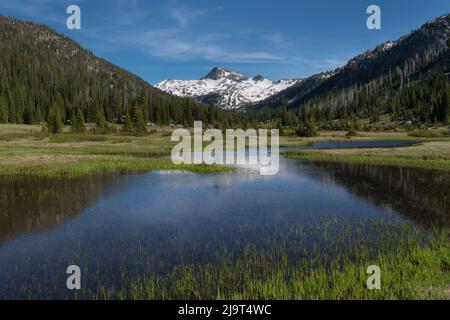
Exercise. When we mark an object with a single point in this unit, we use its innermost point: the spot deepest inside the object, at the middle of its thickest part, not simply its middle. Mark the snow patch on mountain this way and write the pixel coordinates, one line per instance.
(228, 89)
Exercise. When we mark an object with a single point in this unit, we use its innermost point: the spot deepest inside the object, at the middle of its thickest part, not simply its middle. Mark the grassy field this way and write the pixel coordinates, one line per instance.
(427, 155)
(25, 150)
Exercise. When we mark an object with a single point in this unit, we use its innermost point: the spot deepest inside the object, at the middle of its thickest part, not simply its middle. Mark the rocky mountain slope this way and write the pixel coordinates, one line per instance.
(394, 64)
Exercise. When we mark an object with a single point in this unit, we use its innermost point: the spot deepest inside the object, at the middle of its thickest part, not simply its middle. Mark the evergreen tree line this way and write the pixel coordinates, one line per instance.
(421, 102)
(46, 75)
(417, 92)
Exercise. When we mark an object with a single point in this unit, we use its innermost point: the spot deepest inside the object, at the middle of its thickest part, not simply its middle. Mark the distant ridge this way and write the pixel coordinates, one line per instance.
(226, 88)
(400, 61)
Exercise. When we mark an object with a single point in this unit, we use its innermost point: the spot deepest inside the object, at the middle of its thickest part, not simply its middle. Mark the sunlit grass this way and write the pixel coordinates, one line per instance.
(436, 164)
(25, 149)
(107, 165)
(28, 152)
(331, 136)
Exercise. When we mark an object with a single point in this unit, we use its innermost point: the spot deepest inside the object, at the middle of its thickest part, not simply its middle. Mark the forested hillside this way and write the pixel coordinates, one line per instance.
(407, 79)
(42, 70)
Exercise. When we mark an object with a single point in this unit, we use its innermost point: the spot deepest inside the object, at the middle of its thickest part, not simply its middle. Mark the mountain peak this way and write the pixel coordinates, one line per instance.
(258, 78)
(226, 88)
(218, 73)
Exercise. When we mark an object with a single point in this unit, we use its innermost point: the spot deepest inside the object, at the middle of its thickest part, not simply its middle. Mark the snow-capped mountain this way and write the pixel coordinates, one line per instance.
(227, 89)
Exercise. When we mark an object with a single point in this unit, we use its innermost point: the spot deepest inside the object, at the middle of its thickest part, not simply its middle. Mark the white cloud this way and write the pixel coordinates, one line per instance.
(174, 44)
(277, 40)
(185, 16)
(328, 63)
(322, 65)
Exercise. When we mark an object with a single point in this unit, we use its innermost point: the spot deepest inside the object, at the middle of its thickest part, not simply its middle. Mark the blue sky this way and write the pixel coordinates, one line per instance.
(159, 39)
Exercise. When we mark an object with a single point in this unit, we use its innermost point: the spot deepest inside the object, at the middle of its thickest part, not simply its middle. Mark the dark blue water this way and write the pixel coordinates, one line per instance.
(356, 145)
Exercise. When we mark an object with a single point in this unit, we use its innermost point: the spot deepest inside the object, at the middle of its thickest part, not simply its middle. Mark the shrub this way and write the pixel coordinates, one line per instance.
(307, 129)
(78, 122)
(352, 133)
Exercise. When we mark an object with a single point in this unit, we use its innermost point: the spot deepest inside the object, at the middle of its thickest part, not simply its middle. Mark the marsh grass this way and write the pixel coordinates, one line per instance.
(429, 133)
(11, 136)
(410, 269)
(86, 137)
(27, 150)
(427, 155)
(104, 166)
(336, 136)
(325, 259)
(70, 154)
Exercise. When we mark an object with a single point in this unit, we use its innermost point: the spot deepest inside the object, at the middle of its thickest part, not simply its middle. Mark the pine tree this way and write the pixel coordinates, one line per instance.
(127, 123)
(78, 121)
(138, 120)
(212, 114)
(3, 111)
(54, 120)
(91, 113)
(101, 124)
(188, 118)
(445, 106)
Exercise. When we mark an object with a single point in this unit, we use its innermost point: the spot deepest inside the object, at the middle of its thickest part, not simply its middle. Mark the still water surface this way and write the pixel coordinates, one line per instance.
(149, 223)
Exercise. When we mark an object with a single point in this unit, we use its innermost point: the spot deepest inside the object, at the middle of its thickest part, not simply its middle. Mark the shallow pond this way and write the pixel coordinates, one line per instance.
(149, 223)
